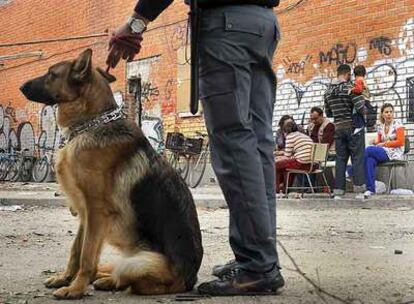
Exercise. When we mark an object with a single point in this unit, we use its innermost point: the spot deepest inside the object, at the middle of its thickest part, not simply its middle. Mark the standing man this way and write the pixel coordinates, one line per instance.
(349, 139)
(237, 88)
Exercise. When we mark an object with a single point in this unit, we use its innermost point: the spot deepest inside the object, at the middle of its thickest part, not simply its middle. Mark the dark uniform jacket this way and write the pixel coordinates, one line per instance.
(150, 9)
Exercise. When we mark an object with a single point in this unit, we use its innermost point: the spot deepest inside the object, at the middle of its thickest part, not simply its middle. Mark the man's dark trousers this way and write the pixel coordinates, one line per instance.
(348, 145)
(237, 88)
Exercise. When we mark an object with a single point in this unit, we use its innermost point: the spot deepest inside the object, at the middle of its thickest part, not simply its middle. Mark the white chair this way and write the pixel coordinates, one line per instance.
(317, 166)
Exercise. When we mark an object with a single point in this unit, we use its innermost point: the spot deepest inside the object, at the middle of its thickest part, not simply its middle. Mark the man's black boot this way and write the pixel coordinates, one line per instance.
(224, 270)
(244, 283)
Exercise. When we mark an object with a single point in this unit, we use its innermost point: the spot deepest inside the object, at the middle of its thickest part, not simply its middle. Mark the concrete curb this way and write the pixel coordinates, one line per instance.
(209, 197)
(29, 198)
(48, 199)
(211, 200)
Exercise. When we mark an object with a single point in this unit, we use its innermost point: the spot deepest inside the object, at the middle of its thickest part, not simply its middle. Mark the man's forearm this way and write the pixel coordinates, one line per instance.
(151, 9)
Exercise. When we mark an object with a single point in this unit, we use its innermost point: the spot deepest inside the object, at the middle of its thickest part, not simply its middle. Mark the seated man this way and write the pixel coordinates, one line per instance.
(321, 130)
(297, 154)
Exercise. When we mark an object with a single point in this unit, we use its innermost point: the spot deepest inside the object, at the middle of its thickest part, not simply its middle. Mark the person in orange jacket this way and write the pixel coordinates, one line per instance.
(360, 84)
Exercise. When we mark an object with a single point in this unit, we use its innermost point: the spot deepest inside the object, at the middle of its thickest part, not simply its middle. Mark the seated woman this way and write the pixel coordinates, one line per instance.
(297, 154)
(280, 135)
(389, 145)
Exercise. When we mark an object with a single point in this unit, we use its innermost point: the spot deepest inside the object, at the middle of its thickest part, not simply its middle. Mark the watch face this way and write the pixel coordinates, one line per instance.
(137, 25)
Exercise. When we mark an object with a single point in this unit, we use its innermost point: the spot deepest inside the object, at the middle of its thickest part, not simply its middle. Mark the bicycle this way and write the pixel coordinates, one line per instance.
(43, 165)
(4, 163)
(198, 161)
(178, 159)
(16, 165)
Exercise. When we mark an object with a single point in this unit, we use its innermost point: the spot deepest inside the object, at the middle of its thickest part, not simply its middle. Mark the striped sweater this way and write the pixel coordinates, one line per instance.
(339, 104)
(299, 147)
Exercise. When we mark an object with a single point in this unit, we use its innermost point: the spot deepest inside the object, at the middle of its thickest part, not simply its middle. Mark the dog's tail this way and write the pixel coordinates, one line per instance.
(147, 272)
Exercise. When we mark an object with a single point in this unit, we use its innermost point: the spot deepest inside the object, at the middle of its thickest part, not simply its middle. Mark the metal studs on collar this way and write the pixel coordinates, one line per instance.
(96, 122)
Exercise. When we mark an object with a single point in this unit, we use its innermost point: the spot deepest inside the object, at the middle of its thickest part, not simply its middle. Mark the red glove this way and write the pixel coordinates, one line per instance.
(123, 44)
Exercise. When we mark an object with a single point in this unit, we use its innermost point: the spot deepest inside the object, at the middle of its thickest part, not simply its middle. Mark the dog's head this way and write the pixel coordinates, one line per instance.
(75, 86)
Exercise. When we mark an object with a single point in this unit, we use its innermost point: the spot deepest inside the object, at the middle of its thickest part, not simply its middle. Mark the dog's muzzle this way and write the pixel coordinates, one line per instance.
(34, 90)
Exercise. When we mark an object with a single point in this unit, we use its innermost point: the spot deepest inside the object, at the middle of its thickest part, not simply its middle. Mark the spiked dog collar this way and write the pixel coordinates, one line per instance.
(93, 123)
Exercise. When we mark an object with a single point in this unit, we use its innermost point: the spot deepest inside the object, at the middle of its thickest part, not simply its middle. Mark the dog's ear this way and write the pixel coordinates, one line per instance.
(82, 66)
(106, 75)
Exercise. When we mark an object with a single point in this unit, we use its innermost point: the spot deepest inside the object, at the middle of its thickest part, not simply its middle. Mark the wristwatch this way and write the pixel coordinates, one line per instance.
(137, 25)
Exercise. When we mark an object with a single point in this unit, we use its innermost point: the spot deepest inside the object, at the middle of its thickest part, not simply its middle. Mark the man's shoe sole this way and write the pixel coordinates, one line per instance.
(275, 292)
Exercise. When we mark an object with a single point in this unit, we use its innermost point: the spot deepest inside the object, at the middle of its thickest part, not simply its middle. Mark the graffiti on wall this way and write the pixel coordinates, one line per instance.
(168, 89)
(152, 127)
(410, 98)
(145, 69)
(382, 45)
(153, 130)
(406, 38)
(339, 53)
(48, 128)
(180, 37)
(10, 112)
(389, 79)
(119, 99)
(23, 136)
(149, 92)
(296, 67)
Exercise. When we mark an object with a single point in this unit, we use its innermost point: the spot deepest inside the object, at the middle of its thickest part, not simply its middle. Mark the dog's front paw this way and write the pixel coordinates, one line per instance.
(105, 283)
(69, 293)
(57, 281)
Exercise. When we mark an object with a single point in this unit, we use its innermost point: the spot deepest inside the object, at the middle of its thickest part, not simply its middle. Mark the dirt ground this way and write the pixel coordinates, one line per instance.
(347, 251)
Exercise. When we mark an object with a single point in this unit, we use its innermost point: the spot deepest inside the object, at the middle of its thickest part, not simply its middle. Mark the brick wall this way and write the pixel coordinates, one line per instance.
(25, 124)
(317, 36)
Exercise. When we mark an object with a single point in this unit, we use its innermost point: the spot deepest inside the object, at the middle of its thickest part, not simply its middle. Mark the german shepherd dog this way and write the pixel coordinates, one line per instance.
(122, 191)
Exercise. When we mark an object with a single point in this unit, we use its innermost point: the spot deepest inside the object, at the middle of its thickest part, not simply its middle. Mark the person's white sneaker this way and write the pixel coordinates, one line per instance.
(337, 197)
(360, 196)
(280, 195)
(368, 193)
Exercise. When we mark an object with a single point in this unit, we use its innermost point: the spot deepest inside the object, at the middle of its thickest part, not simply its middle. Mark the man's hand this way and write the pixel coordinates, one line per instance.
(123, 44)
